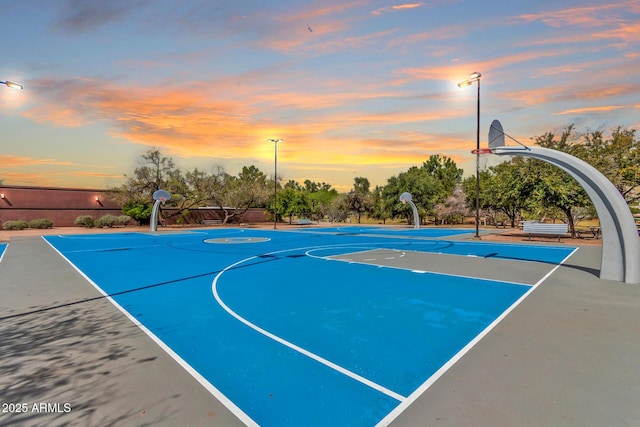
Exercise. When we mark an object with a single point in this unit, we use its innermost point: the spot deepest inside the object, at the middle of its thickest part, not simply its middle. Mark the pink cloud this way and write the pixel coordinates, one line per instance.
(398, 7)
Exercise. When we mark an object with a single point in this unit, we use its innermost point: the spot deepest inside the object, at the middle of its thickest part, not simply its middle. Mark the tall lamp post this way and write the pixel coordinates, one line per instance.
(12, 85)
(475, 77)
(275, 179)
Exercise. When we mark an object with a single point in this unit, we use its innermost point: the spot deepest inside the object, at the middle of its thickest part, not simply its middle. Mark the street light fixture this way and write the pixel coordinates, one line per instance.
(12, 85)
(275, 179)
(475, 77)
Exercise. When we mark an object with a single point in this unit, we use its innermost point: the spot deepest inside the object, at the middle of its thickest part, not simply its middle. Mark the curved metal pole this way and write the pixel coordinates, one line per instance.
(154, 216)
(416, 218)
(620, 243)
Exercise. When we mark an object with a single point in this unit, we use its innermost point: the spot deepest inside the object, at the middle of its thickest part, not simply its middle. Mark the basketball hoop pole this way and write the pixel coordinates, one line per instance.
(160, 196)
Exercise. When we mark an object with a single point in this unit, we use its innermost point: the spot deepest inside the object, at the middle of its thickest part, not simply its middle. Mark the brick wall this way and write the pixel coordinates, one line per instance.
(64, 205)
(61, 205)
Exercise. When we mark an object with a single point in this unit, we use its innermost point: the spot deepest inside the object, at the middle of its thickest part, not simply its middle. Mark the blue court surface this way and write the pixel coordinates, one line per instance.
(285, 333)
(3, 247)
(389, 231)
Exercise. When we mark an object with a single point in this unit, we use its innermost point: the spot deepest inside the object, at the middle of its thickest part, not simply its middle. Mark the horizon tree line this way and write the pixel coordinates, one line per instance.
(513, 190)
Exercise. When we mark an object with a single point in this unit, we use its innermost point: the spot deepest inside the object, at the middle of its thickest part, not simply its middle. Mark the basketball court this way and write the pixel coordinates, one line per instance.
(345, 326)
(334, 325)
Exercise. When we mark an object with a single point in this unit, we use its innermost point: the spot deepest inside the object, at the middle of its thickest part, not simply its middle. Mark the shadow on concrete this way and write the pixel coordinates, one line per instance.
(71, 361)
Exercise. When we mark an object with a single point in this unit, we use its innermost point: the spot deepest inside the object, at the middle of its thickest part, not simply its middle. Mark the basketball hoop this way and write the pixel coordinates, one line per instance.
(161, 195)
(482, 151)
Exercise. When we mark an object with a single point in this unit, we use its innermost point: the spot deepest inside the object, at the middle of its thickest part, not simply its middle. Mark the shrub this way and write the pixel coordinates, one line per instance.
(139, 211)
(124, 220)
(40, 223)
(85, 221)
(15, 225)
(107, 221)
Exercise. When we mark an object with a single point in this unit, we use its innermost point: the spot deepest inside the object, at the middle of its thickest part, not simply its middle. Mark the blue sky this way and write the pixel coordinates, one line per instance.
(355, 88)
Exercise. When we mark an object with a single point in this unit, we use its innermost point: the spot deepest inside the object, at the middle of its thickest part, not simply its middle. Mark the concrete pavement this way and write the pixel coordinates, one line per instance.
(569, 355)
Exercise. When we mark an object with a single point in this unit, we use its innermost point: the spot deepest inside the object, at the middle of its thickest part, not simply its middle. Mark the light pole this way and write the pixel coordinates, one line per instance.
(275, 179)
(475, 77)
(12, 85)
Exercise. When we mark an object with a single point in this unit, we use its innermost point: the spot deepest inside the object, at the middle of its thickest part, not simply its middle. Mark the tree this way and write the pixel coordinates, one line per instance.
(454, 209)
(236, 194)
(380, 209)
(554, 187)
(617, 157)
(446, 172)
(509, 186)
(425, 189)
(320, 196)
(153, 173)
(359, 198)
(469, 188)
(339, 209)
(293, 202)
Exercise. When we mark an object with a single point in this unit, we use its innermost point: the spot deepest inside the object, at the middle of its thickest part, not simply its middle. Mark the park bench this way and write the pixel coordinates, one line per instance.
(542, 229)
(594, 232)
(304, 221)
(212, 222)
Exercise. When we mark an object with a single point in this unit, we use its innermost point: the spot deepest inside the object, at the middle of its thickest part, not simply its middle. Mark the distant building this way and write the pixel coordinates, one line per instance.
(60, 205)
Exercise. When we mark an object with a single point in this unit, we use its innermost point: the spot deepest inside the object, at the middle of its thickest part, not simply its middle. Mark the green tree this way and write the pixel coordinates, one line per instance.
(359, 198)
(554, 187)
(153, 173)
(380, 210)
(424, 188)
(446, 173)
(236, 194)
(509, 186)
(320, 196)
(617, 157)
(293, 202)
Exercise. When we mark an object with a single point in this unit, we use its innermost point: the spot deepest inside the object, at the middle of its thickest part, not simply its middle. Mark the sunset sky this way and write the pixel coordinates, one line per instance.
(354, 87)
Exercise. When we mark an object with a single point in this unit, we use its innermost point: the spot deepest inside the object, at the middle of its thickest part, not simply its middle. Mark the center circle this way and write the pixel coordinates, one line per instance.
(235, 240)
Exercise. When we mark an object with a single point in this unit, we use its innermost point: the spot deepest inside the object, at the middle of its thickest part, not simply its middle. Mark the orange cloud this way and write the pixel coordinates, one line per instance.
(9, 161)
(201, 121)
(590, 110)
(27, 178)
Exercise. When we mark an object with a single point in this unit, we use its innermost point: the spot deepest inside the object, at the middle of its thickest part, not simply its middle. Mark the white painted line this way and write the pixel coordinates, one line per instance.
(393, 267)
(317, 358)
(239, 413)
(4, 252)
(444, 368)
